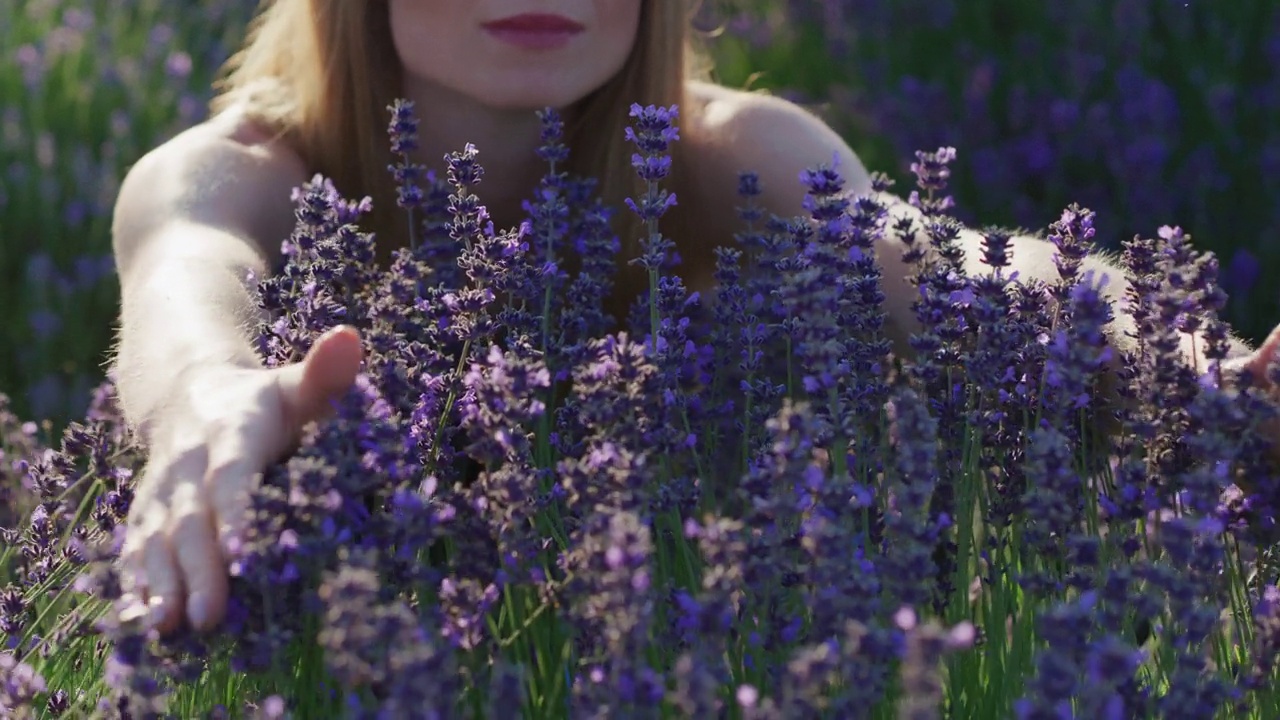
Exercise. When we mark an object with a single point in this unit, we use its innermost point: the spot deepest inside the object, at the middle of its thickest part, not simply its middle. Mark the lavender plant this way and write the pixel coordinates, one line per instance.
(737, 506)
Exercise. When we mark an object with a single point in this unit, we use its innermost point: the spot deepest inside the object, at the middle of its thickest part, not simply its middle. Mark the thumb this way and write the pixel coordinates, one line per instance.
(310, 387)
(1268, 352)
(1259, 361)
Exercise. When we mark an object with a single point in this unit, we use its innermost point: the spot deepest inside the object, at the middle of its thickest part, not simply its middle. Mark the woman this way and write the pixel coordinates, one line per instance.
(308, 93)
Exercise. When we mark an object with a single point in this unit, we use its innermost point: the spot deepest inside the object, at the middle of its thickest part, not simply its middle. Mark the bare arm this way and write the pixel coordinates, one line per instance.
(1032, 257)
(193, 218)
(780, 139)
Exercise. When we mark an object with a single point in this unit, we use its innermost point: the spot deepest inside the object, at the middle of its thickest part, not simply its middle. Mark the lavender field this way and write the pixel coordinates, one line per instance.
(742, 504)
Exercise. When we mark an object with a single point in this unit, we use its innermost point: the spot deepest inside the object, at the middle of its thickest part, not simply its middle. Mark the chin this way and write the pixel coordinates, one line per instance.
(533, 98)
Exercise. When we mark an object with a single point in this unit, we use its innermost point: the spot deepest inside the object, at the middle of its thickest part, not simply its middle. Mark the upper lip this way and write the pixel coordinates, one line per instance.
(535, 22)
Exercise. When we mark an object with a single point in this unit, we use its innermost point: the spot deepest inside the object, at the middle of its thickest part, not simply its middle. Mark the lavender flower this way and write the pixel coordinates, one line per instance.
(1059, 665)
(1072, 235)
(1078, 356)
(501, 398)
(404, 141)
(652, 134)
(813, 297)
(20, 684)
(550, 221)
(1055, 504)
(932, 171)
(384, 646)
(910, 533)
(723, 547)
(772, 520)
(614, 613)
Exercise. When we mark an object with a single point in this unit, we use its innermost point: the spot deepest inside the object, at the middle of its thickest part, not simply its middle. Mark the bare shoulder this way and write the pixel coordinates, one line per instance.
(735, 130)
(226, 173)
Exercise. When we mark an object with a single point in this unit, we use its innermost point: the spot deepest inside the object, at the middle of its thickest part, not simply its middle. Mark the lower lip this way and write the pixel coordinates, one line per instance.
(533, 39)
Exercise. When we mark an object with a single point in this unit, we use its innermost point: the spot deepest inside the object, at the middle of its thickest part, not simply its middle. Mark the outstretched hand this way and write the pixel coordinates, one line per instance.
(224, 426)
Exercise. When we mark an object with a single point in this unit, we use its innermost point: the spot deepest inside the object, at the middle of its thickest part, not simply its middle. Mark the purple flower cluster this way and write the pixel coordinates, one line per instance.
(743, 508)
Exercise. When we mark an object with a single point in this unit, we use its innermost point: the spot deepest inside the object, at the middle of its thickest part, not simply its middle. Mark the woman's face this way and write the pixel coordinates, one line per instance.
(515, 54)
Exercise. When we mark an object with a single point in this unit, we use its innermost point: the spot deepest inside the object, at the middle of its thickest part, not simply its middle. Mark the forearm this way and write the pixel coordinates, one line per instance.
(1032, 258)
(1036, 261)
(181, 313)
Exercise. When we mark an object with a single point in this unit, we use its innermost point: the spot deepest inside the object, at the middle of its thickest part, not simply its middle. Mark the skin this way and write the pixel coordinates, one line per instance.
(468, 86)
(185, 235)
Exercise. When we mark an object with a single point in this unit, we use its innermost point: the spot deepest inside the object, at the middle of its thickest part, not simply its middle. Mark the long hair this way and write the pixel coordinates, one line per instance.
(320, 75)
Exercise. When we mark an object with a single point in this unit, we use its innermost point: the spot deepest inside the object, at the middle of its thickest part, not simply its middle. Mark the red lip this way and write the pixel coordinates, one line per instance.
(535, 23)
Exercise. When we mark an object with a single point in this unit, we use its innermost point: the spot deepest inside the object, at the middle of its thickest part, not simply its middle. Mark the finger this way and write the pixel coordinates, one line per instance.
(330, 370)
(147, 518)
(1272, 342)
(145, 521)
(1267, 355)
(227, 486)
(194, 546)
(1258, 361)
(168, 473)
(310, 387)
(164, 586)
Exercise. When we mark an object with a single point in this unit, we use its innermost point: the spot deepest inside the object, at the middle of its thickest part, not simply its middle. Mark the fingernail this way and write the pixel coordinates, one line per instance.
(156, 611)
(132, 609)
